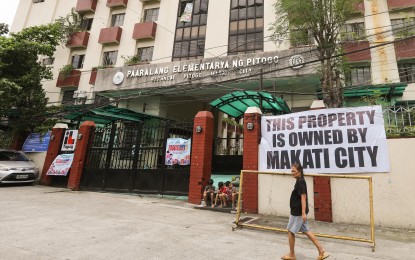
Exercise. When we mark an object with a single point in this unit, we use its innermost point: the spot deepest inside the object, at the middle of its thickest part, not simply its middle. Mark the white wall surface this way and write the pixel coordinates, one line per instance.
(392, 192)
(38, 159)
(274, 194)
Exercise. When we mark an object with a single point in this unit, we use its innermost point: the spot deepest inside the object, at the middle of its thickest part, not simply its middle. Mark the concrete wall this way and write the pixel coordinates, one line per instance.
(392, 192)
(274, 194)
(38, 159)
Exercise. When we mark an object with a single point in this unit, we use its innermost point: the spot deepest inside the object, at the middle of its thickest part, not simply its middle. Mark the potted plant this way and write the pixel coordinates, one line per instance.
(65, 71)
(131, 60)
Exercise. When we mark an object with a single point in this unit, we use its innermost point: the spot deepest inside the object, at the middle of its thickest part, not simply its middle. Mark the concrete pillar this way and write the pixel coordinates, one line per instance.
(85, 133)
(384, 68)
(322, 187)
(201, 161)
(53, 150)
(322, 199)
(252, 137)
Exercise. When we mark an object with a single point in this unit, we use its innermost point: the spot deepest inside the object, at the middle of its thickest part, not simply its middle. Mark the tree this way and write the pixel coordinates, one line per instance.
(322, 20)
(23, 101)
(4, 28)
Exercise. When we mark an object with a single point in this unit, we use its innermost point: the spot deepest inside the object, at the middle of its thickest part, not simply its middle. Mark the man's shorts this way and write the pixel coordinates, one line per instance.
(296, 224)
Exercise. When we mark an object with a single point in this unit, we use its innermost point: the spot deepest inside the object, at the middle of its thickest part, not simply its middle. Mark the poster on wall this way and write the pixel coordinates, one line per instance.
(61, 165)
(36, 142)
(178, 151)
(187, 13)
(69, 140)
(332, 141)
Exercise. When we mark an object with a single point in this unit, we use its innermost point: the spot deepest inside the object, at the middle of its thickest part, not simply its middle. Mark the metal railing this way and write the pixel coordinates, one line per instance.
(399, 121)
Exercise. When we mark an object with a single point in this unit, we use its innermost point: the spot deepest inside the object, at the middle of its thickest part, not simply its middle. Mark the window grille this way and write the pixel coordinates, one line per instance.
(110, 58)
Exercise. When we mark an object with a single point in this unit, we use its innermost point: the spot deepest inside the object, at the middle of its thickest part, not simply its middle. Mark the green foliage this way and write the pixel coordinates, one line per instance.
(8, 91)
(406, 28)
(5, 139)
(321, 20)
(23, 100)
(400, 131)
(131, 60)
(71, 23)
(377, 98)
(65, 71)
(231, 121)
(4, 28)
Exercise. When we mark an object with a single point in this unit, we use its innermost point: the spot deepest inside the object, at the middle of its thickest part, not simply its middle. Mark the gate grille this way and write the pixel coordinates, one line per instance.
(129, 157)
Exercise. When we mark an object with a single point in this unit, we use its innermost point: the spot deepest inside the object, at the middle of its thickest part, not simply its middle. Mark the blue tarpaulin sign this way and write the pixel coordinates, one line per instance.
(36, 142)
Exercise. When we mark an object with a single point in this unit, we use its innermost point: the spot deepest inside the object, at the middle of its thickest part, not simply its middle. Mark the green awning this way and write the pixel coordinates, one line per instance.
(387, 89)
(236, 103)
(104, 115)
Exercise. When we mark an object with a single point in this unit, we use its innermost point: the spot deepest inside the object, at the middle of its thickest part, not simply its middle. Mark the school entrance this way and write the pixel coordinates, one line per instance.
(131, 157)
(228, 146)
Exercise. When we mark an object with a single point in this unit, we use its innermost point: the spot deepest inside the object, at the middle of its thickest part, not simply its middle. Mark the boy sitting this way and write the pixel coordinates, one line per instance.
(209, 191)
(221, 195)
(231, 193)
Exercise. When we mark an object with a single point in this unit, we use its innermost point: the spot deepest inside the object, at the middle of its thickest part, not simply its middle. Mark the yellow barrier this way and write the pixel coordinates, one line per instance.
(372, 222)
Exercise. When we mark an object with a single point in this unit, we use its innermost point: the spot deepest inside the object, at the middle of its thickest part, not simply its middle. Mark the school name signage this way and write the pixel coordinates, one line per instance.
(342, 140)
(195, 70)
(209, 70)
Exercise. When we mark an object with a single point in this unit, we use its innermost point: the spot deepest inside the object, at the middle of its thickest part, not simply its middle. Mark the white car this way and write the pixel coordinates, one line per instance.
(16, 168)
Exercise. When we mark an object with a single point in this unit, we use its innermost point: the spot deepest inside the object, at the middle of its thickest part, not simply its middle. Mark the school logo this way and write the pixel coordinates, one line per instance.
(118, 78)
(69, 140)
(297, 62)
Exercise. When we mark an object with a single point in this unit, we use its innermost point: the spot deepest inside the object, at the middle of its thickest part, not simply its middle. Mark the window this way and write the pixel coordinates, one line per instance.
(359, 76)
(300, 37)
(101, 100)
(12, 156)
(151, 14)
(78, 61)
(246, 26)
(190, 35)
(110, 58)
(403, 27)
(145, 54)
(353, 31)
(117, 20)
(37, 1)
(68, 97)
(48, 61)
(86, 24)
(406, 72)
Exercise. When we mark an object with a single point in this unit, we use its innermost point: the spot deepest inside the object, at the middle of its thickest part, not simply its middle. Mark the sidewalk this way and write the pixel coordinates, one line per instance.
(39, 222)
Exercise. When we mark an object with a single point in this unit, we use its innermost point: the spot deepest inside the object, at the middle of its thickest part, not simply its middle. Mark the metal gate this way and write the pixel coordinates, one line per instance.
(227, 156)
(130, 157)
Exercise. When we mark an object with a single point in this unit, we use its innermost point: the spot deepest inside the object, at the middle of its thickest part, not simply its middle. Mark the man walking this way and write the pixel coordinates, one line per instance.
(298, 215)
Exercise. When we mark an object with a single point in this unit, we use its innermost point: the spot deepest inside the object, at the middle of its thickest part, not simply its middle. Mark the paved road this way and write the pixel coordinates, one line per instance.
(39, 222)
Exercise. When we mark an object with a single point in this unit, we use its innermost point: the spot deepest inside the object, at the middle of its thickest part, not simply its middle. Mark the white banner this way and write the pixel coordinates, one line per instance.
(61, 165)
(339, 140)
(178, 151)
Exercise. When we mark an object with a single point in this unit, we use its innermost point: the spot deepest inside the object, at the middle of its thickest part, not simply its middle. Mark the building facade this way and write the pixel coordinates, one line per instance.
(172, 58)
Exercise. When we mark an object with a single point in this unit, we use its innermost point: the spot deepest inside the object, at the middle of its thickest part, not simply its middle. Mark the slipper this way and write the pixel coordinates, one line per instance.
(287, 257)
(322, 256)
